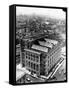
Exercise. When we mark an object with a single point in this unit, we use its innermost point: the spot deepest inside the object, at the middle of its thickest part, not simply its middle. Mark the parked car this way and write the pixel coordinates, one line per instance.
(28, 79)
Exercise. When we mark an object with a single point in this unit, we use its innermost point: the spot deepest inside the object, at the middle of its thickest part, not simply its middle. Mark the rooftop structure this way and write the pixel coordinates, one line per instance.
(30, 50)
(38, 47)
(41, 55)
(51, 41)
(47, 44)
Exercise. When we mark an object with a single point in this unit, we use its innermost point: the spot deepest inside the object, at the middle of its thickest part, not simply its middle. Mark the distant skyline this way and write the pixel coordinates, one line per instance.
(54, 13)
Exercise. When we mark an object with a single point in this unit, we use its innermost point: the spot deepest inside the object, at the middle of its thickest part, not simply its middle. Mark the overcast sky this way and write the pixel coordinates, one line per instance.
(56, 13)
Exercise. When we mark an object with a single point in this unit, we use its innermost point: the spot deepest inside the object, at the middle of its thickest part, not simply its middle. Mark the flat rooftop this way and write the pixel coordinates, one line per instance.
(51, 41)
(46, 44)
(40, 48)
(33, 51)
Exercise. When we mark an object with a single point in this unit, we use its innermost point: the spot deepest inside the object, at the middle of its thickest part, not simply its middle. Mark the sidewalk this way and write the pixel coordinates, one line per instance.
(51, 74)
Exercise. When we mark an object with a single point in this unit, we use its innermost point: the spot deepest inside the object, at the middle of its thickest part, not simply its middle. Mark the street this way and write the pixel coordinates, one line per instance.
(31, 79)
(60, 74)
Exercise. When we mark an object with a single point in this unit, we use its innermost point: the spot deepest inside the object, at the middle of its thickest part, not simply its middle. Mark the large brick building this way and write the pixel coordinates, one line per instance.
(42, 57)
(32, 61)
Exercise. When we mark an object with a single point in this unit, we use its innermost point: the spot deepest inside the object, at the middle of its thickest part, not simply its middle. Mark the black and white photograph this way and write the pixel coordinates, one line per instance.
(40, 45)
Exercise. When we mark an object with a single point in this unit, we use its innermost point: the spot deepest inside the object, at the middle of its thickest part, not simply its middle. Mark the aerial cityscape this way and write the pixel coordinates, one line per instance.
(40, 45)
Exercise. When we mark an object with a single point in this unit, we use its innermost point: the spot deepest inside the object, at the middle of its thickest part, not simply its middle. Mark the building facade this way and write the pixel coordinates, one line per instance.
(41, 59)
(32, 61)
(19, 56)
(18, 53)
(52, 58)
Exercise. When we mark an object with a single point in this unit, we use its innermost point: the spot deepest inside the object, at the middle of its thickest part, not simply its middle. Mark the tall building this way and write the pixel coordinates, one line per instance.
(42, 57)
(32, 61)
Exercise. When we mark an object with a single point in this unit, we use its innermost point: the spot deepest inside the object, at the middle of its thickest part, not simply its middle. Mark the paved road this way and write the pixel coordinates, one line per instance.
(33, 79)
(59, 75)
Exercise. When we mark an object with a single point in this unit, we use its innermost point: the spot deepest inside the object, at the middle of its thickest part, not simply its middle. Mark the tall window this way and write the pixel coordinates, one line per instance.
(48, 62)
(37, 67)
(34, 66)
(37, 58)
(29, 64)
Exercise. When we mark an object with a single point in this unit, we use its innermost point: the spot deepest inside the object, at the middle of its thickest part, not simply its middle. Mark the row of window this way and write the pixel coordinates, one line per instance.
(32, 57)
(55, 56)
(32, 65)
(56, 50)
(53, 60)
